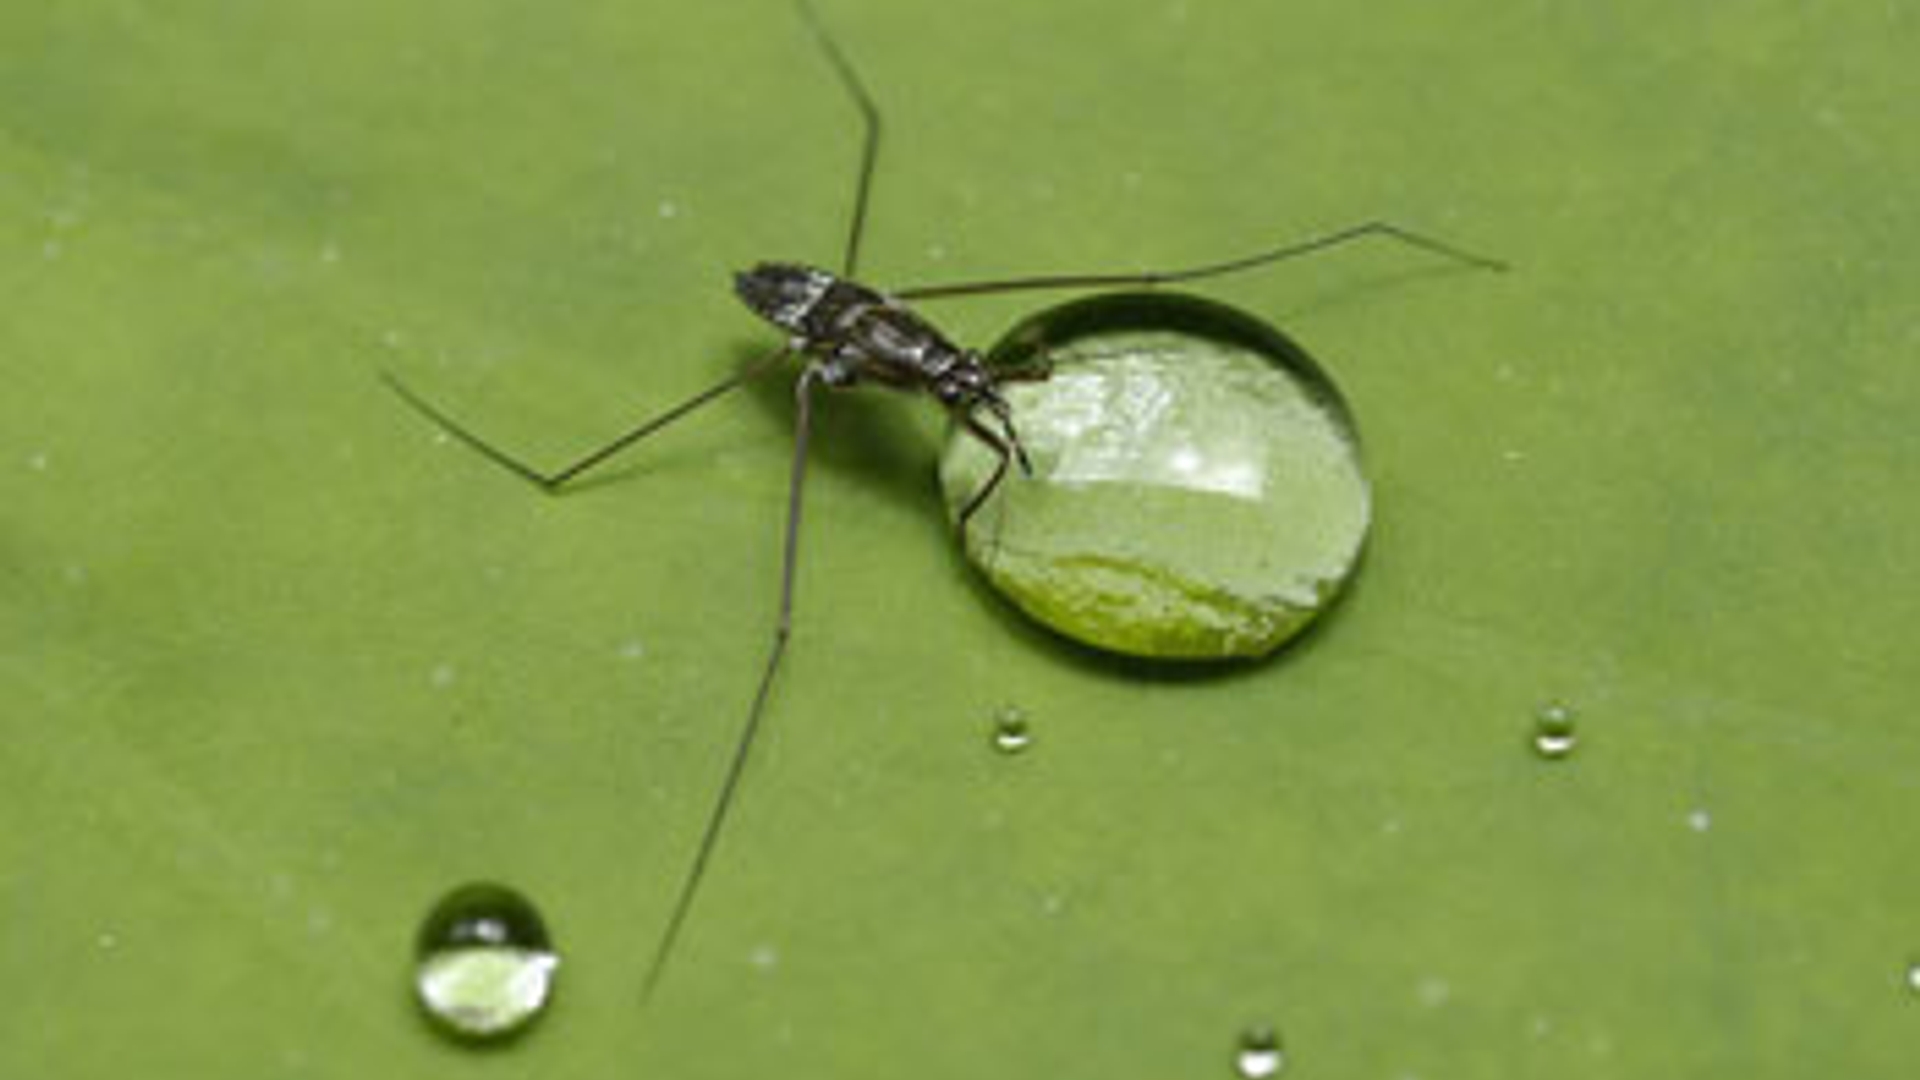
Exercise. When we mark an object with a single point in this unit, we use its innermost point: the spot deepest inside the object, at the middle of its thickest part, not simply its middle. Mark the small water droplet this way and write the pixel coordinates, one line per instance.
(1913, 976)
(1260, 1054)
(764, 957)
(669, 209)
(1010, 733)
(484, 965)
(1699, 821)
(1553, 732)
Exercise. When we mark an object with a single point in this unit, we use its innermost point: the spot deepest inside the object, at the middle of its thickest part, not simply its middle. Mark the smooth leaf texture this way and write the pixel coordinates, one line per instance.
(279, 667)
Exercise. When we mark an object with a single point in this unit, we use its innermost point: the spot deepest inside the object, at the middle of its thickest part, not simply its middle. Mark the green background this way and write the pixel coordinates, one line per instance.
(278, 666)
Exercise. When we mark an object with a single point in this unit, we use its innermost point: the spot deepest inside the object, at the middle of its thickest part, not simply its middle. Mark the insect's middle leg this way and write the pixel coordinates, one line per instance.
(782, 629)
(1372, 229)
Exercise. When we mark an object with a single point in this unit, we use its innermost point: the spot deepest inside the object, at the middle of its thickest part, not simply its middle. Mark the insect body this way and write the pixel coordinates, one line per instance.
(852, 334)
(856, 334)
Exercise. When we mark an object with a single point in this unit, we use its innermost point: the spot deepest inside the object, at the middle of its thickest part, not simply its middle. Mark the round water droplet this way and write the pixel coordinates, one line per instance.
(1010, 733)
(1553, 732)
(1913, 976)
(484, 966)
(1196, 491)
(1260, 1054)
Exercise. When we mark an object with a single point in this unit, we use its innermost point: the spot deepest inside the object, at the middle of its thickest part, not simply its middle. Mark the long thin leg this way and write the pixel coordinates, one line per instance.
(1195, 273)
(870, 143)
(999, 446)
(803, 426)
(553, 481)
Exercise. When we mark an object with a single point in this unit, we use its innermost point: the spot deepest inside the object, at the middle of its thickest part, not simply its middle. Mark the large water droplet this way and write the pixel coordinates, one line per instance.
(1260, 1054)
(1010, 732)
(1197, 489)
(1554, 737)
(484, 965)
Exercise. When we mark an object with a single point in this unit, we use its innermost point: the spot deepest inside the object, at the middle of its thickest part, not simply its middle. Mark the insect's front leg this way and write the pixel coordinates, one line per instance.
(1036, 368)
(1004, 453)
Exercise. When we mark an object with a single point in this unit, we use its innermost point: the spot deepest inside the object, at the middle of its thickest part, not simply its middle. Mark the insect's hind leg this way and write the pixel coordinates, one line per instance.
(870, 138)
(557, 479)
(1323, 242)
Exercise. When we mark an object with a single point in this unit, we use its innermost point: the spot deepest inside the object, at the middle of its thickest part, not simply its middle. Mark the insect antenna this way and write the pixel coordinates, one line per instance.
(1291, 250)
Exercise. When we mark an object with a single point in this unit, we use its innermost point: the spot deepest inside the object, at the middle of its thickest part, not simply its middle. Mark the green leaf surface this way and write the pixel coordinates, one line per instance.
(278, 667)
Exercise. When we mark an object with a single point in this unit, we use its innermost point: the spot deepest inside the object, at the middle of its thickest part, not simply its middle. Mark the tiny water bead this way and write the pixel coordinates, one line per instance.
(1554, 737)
(1197, 490)
(484, 965)
(1010, 732)
(1259, 1055)
(1913, 976)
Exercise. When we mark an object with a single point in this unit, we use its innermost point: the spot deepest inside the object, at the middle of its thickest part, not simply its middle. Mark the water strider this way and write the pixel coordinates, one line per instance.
(851, 334)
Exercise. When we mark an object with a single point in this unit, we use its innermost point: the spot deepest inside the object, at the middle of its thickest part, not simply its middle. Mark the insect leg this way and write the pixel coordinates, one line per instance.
(789, 561)
(1038, 369)
(1383, 229)
(553, 481)
(1001, 447)
(870, 141)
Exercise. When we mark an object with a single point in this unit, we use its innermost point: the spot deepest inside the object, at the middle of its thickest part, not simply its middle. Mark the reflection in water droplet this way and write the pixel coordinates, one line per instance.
(1010, 734)
(483, 963)
(1197, 491)
(1260, 1054)
(1553, 732)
